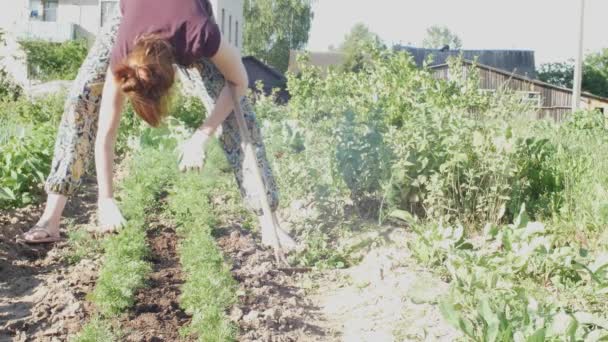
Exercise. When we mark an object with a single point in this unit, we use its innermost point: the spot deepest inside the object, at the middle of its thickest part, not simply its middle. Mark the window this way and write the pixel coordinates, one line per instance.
(35, 9)
(236, 34)
(532, 98)
(49, 11)
(223, 19)
(230, 29)
(107, 10)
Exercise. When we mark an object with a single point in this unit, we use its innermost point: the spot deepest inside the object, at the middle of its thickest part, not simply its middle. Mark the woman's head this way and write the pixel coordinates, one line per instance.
(146, 77)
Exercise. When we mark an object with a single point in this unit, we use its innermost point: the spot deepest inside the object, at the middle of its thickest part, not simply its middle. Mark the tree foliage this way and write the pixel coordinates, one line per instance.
(558, 73)
(440, 36)
(8, 88)
(274, 27)
(595, 73)
(357, 43)
(55, 61)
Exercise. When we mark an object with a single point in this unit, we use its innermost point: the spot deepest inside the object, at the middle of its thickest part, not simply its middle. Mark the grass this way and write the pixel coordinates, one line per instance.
(209, 289)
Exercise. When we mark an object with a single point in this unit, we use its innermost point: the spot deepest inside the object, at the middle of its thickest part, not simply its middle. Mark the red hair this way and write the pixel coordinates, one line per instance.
(146, 77)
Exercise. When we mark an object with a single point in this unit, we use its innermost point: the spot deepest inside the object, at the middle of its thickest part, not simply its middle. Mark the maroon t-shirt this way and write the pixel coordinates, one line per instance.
(187, 24)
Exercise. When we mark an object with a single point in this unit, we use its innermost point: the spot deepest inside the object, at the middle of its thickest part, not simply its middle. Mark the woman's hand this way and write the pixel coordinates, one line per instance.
(192, 152)
(110, 217)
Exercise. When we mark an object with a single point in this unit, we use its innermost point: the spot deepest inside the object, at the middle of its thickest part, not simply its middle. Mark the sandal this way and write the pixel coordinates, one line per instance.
(47, 238)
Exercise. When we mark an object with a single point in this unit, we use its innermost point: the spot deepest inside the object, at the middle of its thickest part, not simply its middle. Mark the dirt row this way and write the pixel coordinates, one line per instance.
(271, 305)
(156, 315)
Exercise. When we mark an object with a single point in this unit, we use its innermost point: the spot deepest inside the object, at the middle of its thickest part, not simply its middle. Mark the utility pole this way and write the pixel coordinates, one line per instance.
(578, 68)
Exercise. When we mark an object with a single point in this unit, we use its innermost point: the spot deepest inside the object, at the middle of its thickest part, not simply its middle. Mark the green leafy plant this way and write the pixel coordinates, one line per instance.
(26, 148)
(54, 61)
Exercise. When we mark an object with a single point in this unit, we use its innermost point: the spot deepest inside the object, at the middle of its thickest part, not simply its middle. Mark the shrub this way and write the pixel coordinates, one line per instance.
(9, 90)
(27, 134)
(54, 61)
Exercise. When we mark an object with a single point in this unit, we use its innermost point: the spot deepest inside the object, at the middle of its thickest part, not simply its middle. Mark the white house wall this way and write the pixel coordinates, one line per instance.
(234, 9)
(86, 14)
(12, 12)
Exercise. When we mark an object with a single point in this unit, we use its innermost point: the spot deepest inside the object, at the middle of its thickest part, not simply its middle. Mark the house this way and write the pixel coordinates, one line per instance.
(520, 62)
(551, 101)
(322, 60)
(270, 78)
(61, 20)
(517, 61)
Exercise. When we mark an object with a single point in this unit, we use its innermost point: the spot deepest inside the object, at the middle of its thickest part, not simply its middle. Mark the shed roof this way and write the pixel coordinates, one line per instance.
(519, 61)
(323, 60)
(522, 78)
(269, 76)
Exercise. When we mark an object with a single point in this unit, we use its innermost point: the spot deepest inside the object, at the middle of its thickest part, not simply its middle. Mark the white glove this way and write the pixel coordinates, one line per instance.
(192, 152)
(109, 215)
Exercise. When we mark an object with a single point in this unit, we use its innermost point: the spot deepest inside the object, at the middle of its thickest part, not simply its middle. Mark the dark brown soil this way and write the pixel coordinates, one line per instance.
(272, 307)
(156, 315)
(41, 296)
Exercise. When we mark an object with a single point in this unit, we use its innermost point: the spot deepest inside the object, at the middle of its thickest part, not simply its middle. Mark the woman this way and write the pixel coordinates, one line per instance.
(137, 51)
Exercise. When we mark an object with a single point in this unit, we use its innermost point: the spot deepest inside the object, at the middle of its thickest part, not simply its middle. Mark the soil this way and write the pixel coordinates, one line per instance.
(156, 315)
(42, 297)
(386, 297)
(271, 306)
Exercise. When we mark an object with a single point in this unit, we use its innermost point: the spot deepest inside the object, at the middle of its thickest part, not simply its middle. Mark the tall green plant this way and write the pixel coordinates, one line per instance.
(54, 61)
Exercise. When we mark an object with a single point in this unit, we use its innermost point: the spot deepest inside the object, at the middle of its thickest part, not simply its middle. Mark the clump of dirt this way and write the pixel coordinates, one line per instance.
(386, 297)
(271, 307)
(157, 315)
(42, 298)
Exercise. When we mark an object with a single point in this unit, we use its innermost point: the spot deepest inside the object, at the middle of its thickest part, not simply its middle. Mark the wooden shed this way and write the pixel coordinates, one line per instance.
(552, 101)
(258, 71)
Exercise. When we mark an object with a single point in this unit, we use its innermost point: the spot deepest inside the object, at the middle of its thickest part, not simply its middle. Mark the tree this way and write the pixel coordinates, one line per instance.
(559, 74)
(595, 73)
(8, 88)
(440, 36)
(274, 27)
(357, 43)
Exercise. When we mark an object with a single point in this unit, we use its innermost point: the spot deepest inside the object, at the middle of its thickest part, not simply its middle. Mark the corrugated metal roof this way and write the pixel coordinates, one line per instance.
(518, 61)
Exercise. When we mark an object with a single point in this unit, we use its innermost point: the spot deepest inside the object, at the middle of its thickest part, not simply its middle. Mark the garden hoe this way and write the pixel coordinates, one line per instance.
(250, 156)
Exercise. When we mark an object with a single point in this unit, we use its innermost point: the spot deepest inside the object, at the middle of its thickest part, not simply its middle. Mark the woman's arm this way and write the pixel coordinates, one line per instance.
(109, 120)
(228, 61)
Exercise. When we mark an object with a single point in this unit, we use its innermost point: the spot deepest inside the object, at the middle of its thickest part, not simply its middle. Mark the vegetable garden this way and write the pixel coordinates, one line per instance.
(507, 211)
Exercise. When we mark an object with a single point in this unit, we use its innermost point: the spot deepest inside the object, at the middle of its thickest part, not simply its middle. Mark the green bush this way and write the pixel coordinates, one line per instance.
(27, 135)
(9, 90)
(394, 137)
(54, 61)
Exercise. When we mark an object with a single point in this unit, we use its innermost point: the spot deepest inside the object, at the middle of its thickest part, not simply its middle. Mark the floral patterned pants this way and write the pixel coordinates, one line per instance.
(77, 131)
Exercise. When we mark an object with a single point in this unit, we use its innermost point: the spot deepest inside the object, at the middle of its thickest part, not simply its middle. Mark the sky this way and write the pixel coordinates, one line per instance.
(549, 27)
